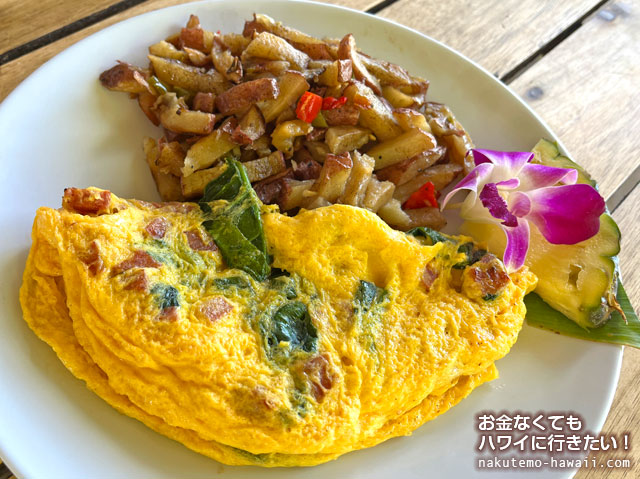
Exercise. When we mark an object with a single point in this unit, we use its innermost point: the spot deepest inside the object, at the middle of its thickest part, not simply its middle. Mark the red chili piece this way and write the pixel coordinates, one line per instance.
(331, 103)
(425, 196)
(309, 106)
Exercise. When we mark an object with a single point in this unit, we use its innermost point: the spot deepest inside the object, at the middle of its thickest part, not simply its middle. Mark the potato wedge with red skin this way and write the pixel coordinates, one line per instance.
(333, 176)
(126, 78)
(250, 127)
(347, 51)
(174, 116)
(175, 73)
(240, 97)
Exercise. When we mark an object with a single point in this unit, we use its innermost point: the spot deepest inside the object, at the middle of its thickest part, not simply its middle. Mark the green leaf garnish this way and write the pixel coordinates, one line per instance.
(615, 331)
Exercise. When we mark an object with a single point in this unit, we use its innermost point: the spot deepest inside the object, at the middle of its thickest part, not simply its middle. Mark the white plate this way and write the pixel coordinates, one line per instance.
(61, 128)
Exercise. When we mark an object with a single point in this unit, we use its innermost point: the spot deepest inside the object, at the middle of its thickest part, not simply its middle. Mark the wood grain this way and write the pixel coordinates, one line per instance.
(625, 410)
(12, 73)
(497, 34)
(587, 90)
(19, 22)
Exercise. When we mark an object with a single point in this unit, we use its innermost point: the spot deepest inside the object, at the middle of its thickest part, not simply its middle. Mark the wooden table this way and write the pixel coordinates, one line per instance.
(576, 62)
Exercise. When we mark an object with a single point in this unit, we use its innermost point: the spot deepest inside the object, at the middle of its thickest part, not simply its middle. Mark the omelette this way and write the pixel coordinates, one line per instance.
(262, 339)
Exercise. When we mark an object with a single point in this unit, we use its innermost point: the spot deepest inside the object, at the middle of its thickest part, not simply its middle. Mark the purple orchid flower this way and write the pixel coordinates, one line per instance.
(505, 188)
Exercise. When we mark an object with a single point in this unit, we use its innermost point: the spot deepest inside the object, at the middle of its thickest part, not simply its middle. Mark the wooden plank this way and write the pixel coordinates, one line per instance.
(496, 34)
(24, 20)
(12, 73)
(587, 91)
(625, 410)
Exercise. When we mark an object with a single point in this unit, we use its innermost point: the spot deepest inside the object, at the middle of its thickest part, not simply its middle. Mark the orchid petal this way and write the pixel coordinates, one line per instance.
(511, 161)
(535, 176)
(566, 214)
(519, 204)
(508, 184)
(496, 205)
(515, 252)
(470, 182)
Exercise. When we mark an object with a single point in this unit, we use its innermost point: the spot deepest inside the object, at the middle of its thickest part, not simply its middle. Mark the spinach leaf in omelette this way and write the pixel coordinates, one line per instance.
(368, 306)
(234, 222)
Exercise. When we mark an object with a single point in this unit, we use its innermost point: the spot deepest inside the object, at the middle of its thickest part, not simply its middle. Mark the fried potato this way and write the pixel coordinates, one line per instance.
(439, 175)
(170, 157)
(250, 127)
(378, 193)
(393, 214)
(291, 87)
(240, 97)
(207, 151)
(264, 167)
(429, 217)
(292, 194)
(126, 78)
(272, 47)
(333, 177)
(347, 51)
(374, 114)
(165, 49)
(340, 139)
(356, 187)
(400, 173)
(408, 118)
(193, 185)
(167, 184)
(318, 150)
(336, 73)
(175, 116)
(402, 147)
(225, 62)
(175, 73)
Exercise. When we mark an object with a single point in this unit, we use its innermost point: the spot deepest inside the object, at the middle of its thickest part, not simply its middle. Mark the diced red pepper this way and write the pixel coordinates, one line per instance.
(331, 103)
(308, 106)
(424, 196)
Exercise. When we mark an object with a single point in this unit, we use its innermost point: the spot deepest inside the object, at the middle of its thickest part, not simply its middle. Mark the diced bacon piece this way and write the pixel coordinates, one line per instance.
(486, 278)
(169, 315)
(86, 201)
(139, 259)
(429, 276)
(214, 308)
(316, 369)
(307, 170)
(157, 228)
(92, 259)
(194, 237)
(138, 281)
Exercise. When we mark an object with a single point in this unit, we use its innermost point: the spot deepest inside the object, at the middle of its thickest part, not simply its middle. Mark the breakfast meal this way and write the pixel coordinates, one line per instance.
(293, 297)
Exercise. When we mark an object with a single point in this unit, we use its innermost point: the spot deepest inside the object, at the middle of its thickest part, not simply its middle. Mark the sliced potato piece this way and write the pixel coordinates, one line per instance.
(170, 158)
(291, 87)
(405, 146)
(347, 51)
(167, 184)
(333, 177)
(226, 63)
(400, 173)
(292, 195)
(175, 116)
(267, 45)
(393, 214)
(193, 185)
(375, 114)
(318, 150)
(397, 98)
(207, 151)
(408, 118)
(284, 134)
(165, 49)
(264, 167)
(335, 73)
(439, 175)
(378, 193)
(235, 42)
(346, 138)
(250, 127)
(175, 73)
(147, 103)
(126, 78)
(358, 181)
(344, 115)
(318, 202)
(240, 97)
(429, 217)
